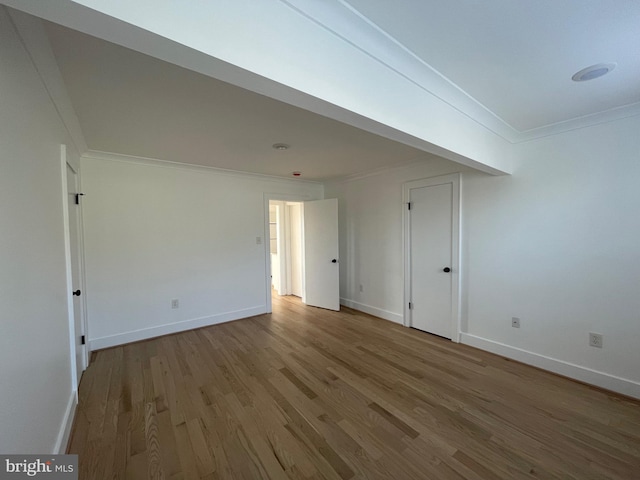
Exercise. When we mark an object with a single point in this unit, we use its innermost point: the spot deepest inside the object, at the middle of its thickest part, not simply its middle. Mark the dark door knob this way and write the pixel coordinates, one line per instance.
(334, 261)
(446, 269)
(77, 293)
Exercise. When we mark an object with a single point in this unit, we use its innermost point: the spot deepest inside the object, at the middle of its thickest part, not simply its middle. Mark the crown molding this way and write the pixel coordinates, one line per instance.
(154, 162)
(345, 22)
(36, 42)
(422, 160)
(605, 116)
(342, 20)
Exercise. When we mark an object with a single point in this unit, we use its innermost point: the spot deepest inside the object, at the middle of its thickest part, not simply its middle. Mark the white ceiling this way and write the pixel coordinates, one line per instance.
(516, 58)
(506, 65)
(130, 103)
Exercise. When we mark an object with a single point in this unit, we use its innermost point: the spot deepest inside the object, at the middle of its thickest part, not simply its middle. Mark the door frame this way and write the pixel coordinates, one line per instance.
(75, 375)
(289, 251)
(278, 197)
(282, 246)
(454, 180)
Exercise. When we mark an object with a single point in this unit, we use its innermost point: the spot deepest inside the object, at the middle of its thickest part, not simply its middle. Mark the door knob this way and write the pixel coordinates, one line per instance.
(334, 261)
(77, 293)
(446, 269)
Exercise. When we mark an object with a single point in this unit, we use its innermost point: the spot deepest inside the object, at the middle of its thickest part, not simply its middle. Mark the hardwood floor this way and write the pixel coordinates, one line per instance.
(308, 393)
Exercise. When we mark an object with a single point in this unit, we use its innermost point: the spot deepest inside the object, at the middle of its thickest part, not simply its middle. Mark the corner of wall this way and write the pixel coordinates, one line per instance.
(560, 367)
(64, 434)
(34, 37)
(376, 312)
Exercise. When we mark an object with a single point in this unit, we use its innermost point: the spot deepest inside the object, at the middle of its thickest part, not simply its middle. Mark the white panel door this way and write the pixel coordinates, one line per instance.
(431, 258)
(76, 278)
(321, 273)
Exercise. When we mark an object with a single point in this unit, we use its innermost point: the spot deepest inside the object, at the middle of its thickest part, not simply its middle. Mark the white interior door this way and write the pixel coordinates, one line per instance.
(76, 278)
(431, 265)
(321, 272)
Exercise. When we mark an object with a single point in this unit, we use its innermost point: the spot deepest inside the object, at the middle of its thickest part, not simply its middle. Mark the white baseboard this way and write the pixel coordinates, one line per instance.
(571, 370)
(377, 312)
(158, 331)
(60, 446)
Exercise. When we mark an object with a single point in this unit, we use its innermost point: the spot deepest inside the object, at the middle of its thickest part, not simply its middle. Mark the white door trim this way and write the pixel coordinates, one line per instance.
(267, 251)
(454, 180)
(83, 277)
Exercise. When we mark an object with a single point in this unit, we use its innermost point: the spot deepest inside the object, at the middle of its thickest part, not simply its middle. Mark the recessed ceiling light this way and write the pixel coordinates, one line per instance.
(280, 146)
(594, 71)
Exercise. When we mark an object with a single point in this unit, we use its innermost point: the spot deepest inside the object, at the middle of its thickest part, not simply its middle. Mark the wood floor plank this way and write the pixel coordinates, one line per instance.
(204, 460)
(167, 441)
(305, 393)
(154, 454)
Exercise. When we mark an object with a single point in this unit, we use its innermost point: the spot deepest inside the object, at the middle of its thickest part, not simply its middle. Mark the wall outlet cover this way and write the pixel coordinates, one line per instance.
(595, 340)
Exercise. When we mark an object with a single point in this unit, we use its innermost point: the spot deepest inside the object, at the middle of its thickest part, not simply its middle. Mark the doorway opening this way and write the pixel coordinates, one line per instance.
(301, 256)
(286, 246)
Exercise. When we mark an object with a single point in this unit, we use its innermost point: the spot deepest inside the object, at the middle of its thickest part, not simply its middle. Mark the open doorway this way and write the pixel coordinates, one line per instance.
(286, 248)
(302, 251)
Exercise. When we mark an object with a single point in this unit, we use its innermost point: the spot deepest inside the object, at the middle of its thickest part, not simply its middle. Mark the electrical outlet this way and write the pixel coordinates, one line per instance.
(361, 288)
(515, 322)
(595, 340)
(175, 303)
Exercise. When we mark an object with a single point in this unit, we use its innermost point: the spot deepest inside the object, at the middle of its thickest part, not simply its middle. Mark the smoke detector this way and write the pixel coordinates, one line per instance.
(594, 71)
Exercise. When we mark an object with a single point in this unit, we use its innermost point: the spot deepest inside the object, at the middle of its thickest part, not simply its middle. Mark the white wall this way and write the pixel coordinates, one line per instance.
(36, 395)
(556, 244)
(386, 92)
(156, 232)
(370, 212)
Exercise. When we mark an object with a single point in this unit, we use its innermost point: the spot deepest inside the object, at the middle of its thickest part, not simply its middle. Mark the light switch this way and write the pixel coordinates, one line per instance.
(258, 240)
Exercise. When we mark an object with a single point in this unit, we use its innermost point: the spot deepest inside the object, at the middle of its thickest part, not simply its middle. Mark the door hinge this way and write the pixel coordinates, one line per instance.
(409, 205)
(410, 306)
(78, 195)
(82, 340)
